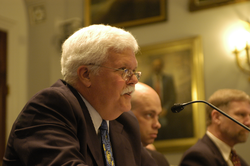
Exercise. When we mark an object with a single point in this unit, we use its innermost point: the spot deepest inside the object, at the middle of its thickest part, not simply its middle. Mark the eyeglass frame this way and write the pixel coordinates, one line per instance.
(125, 76)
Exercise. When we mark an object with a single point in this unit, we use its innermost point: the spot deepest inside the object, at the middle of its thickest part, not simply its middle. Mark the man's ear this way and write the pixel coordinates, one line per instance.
(84, 75)
(216, 116)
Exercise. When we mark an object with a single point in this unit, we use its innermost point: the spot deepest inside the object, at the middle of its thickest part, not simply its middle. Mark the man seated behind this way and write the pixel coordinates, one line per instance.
(214, 149)
(146, 105)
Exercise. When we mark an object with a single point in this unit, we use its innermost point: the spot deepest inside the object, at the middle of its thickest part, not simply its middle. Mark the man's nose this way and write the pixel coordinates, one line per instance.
(157, 124)
(247, 121)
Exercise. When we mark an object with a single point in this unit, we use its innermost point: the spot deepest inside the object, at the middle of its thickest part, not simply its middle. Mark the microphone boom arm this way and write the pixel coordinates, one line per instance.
(181, 107)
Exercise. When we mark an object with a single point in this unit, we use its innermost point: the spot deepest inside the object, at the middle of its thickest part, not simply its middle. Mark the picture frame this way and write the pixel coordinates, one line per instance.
(195, 5)
(3, 90)
(124, 13)
(183, 60)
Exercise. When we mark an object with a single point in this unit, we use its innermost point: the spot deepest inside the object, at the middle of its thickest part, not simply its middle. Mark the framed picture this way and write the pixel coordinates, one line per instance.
(124, 13)
(179, 64)
(195, 5)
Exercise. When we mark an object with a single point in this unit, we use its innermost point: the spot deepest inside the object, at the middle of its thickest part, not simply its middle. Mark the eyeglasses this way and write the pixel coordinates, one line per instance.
(126, 75)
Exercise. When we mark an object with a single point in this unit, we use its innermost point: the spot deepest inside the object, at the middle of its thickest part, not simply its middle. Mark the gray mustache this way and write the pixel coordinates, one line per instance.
(128, 89)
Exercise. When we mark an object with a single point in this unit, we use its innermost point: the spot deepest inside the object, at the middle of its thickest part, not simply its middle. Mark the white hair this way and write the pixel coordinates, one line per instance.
(91, 45)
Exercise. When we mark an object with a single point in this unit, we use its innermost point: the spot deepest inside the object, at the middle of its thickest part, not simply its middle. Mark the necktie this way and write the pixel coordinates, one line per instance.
(235, 158)
(106, 144)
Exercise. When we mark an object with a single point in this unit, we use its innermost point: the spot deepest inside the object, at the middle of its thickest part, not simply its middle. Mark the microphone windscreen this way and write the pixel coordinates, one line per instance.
(177, 108)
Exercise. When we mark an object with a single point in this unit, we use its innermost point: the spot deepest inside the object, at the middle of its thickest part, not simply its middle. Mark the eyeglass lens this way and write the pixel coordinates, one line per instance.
(128, 74)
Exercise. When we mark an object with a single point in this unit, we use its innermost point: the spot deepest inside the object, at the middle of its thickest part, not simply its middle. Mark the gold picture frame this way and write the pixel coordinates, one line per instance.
(124, 13)
(195, 5)
(184, 61)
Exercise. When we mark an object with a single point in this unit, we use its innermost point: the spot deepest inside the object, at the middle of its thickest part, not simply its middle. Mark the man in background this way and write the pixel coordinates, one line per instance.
(216, 148)
(146, 105)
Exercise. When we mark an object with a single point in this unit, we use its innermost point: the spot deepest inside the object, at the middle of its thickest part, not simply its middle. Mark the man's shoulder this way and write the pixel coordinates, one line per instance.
(58, 97)
(128, 125)
(60, 88)
(203, 146)
(128, 120)
(158, 157)
(203, 152)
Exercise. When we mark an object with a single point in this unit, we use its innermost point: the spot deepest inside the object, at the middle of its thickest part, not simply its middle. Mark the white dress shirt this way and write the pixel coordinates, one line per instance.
(95, 116)
(223, 147)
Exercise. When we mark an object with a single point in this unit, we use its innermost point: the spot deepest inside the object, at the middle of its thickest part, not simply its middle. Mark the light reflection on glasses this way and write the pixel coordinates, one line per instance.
(126, 73)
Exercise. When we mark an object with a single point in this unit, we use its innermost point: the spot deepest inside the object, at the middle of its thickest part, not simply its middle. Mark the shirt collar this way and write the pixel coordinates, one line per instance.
(95, 116)
(222, 146)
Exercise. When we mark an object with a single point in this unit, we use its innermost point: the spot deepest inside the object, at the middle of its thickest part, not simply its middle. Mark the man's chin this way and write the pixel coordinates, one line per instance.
(243, 136)
(126, 106)
(244, 132)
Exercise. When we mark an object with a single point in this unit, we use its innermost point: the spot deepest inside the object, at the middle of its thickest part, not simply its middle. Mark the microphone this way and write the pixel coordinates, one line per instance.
(176, 108)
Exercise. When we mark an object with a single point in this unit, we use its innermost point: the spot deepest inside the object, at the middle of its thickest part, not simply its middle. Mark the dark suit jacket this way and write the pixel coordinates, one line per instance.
(55, 128)
(159, 158)
(205, 153)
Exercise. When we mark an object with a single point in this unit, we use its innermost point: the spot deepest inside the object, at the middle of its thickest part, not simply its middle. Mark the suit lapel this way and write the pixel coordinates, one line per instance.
(215, 150)
(122, 150)
(116, 141)
(93, 143)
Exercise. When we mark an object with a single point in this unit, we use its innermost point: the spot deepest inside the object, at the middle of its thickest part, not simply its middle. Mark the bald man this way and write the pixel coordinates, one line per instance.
(146, 105)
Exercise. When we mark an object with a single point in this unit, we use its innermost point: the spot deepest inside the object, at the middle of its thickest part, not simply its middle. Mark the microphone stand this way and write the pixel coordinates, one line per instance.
(178, 107)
